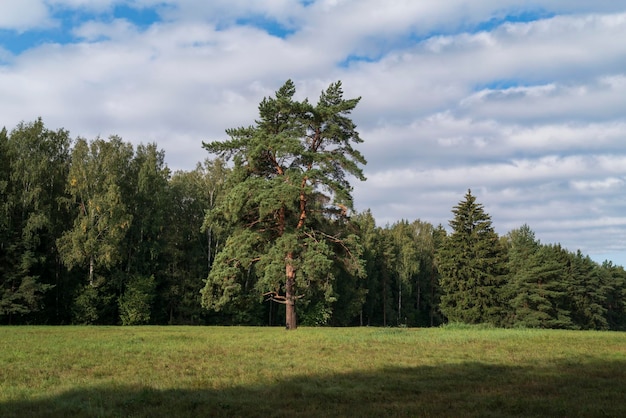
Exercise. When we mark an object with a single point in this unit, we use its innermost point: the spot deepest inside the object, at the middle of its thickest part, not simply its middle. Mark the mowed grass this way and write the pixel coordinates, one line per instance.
(363, 372)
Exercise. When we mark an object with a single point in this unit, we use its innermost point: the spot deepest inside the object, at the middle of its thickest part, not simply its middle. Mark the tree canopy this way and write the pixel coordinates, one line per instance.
(472, 268)
(287, 202)
(101, 232)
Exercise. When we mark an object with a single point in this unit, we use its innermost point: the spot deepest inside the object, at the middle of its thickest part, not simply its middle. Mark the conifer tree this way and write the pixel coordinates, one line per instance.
(537, 290)
(472, 267)
(287, 202)
(616, 295)
(587, 292)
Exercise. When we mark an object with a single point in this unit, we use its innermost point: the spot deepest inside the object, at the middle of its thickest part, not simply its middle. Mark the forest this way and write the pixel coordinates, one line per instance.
(102, 232)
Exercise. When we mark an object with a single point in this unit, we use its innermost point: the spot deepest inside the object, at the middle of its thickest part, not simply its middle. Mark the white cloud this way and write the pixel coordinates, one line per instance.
(502, 174)
(118, 29)
(228, 12)
(530, 116)
(607, 184)
(22, 15)
(91, 5)
(600, 99)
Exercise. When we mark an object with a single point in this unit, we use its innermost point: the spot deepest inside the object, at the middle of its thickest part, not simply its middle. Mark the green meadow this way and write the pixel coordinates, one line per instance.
(310, 372)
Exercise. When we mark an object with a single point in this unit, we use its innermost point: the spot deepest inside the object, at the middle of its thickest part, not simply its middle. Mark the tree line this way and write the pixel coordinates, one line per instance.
(101, 232)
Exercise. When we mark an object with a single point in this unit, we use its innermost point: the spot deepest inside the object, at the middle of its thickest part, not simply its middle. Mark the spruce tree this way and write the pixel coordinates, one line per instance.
(472, 267)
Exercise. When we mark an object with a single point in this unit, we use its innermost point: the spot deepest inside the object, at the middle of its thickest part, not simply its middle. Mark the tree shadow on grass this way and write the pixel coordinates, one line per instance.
(576, 388)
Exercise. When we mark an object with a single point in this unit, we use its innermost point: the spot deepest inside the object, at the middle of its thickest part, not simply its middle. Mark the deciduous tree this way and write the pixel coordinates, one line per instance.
(97, 177)
(35, 162)
(191, 248)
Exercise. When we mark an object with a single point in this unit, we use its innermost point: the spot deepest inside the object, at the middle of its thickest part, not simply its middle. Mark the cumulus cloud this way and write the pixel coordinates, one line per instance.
(523, 102)
(23, 15)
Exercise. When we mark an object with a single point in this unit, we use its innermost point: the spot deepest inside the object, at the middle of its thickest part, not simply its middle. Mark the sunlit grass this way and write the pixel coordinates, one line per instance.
(240, 371)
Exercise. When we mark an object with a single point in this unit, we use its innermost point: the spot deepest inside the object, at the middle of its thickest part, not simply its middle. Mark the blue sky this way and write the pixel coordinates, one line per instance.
(522, 101)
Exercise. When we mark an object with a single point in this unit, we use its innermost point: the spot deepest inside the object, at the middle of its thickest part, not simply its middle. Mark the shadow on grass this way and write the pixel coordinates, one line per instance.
(585, 388)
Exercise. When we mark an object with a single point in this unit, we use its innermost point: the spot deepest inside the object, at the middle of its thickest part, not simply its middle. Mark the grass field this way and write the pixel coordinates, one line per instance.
(378, 372)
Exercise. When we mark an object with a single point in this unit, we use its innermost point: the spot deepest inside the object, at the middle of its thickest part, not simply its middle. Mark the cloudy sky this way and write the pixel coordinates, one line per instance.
(521, 101)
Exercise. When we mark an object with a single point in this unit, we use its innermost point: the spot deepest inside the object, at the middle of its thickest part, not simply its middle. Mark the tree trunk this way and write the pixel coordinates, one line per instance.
(91, 268)
(270, 319)
(384, 301)
(399, 301)
(290, 297)
(432, 299)
(419, 295)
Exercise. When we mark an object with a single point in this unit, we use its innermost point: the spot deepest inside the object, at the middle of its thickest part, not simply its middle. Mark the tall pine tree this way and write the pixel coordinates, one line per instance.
(287, 202)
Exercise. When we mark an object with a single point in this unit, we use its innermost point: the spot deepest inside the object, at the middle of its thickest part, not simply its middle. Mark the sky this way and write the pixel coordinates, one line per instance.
(521, 101)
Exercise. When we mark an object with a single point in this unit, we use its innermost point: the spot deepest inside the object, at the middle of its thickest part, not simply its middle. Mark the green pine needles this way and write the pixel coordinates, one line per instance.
(287, 204)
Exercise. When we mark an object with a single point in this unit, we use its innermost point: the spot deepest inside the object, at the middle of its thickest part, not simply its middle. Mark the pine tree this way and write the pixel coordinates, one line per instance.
(472, 267)
(286, 202)
(537, 291)
(587, 292)
(616, 295)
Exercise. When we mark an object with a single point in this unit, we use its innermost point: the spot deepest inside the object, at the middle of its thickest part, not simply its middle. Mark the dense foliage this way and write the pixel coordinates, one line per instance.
(101, 232)
(286, 205)
(472, 266)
